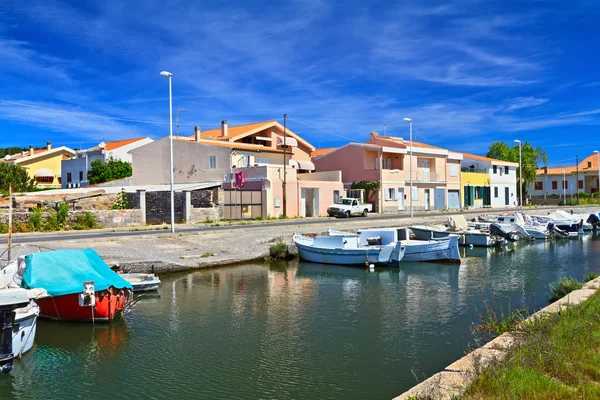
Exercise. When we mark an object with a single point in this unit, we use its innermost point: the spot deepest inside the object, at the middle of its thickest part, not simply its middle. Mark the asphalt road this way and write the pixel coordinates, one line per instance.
(183, 229)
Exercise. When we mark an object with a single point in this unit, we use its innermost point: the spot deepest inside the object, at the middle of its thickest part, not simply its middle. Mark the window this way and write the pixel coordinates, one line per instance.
(80, 176)
(495, 169)
(589, 164)
(506, 170)
(415, 193)
(212, 162)
(496, 192)
(44, 179)
(390, 194)
(580, 184)
(453, 169)
(554, 185)
(565, 185)
(69, 179)
(336, 196)
(478, 192)
(539, 185)
(387, 163)
(262, 161)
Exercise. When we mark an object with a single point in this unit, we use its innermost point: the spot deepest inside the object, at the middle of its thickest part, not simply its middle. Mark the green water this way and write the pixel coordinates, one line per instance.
(297, 330)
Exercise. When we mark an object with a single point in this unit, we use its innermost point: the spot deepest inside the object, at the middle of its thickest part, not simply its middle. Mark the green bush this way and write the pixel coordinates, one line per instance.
(563, 286)
(3, 228)
(278, 251)
(34, 221)
(122, 201)
(62, 213)
(85, 221)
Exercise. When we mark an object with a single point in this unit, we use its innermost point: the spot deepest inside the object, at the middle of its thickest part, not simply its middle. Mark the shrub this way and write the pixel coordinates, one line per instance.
(590, 277)
(3, 227)
(84, 221)
(62, 213)
(122, 202)
(278, 251)
(34, 221)
(499, 321)
(563, 286)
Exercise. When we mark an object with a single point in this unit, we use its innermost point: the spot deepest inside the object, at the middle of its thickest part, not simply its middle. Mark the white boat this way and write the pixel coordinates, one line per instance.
(435, 249)
(17, 310)
(342, 248)
(142, 282)
(458, 225)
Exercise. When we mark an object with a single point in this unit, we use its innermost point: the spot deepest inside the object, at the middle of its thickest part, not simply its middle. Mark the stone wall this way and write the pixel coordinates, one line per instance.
(104, 218)
(202, 214)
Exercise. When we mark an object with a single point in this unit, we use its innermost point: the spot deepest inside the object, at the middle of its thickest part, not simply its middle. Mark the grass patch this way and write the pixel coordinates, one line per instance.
(557, 358)
(278, 251)
(565, 285)
(207, 254)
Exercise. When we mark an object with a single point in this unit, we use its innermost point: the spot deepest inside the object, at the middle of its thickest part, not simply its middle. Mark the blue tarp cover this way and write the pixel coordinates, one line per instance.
(63, 272)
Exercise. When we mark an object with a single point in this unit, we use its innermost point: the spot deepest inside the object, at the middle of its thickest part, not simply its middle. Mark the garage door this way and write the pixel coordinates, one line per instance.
(453, 199)
(439, 199)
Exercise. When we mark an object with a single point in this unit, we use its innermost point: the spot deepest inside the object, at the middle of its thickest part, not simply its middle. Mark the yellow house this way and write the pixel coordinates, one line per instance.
(42, 165)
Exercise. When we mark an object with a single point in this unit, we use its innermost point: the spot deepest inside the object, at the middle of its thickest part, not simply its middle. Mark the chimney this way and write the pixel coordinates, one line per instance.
(48, 146)
(30, 150)
(546, 170)
(197, 135)
(224, 128)
(23, 152)
(374, 134)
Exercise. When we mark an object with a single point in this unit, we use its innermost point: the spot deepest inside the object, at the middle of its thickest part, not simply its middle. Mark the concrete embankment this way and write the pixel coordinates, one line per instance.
(458, 376)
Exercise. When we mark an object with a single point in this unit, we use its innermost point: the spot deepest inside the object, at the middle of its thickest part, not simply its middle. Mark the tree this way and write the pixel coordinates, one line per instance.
(109, 171)
(531, 158)
(16, 176)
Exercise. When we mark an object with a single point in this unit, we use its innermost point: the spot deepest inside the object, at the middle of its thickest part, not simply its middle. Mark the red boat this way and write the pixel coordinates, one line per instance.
(80, 285)
(108, 304)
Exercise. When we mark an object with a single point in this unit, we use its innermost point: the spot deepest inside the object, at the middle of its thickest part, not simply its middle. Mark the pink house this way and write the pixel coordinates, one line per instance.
(435, 171)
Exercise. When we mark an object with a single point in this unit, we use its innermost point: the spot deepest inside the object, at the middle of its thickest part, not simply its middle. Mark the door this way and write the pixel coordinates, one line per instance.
(453, 199)
(426, 170)
(316, 212)
(506, 196)
(427, 198)
(487, 196)
(400, 197)
(439, 199)
(303, 203)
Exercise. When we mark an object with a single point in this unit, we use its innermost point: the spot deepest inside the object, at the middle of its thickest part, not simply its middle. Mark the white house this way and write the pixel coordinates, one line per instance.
(74, 171)
(567, 180)
(496, 177)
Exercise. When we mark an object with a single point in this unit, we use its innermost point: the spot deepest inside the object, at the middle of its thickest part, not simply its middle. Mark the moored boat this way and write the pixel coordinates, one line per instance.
(142, 282)
(80, 285)
(347, 249)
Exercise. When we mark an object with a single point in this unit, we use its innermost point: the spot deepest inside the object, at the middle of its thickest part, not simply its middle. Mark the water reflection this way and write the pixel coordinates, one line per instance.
(293, 330)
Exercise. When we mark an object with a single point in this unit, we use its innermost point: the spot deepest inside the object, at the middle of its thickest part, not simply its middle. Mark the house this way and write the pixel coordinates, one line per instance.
(566, 180)
(435, 171)
(252, 153)
(488, 182)
(75, 170)
(44, 165)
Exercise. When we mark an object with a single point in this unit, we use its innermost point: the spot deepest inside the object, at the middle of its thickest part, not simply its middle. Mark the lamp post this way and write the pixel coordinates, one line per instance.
(170, 76)
(520, 177)
(410, 166)
(598, 152)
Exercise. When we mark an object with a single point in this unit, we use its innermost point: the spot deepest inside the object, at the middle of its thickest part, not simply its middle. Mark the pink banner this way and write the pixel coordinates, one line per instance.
(239, 179)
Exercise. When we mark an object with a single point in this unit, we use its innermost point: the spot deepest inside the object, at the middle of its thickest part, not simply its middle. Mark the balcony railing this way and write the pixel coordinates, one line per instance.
(476, 170)
(427, 176)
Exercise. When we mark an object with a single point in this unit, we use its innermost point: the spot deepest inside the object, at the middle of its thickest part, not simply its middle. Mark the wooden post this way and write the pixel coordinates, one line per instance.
(10, 224)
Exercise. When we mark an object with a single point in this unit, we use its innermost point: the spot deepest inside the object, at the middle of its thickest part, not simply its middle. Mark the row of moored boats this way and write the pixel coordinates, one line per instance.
(391, 246)
(65, 285)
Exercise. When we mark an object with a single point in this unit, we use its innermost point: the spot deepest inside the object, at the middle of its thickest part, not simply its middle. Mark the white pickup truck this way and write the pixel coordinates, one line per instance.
(347, 207)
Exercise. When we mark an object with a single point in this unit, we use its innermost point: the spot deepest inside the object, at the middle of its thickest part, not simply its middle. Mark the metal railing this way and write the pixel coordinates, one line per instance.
(476, 170)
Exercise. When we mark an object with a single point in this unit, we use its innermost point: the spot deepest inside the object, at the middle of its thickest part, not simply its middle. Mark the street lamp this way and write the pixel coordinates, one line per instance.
(598, 152)
(520, 177)
(410, 166)
(170, 76)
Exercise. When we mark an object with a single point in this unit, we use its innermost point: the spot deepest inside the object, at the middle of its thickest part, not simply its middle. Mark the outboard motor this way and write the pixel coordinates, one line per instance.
(497, 230)
(594, 220)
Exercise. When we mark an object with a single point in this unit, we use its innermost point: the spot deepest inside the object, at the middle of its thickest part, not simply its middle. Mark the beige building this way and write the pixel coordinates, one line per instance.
(435, 171)
(252, 153)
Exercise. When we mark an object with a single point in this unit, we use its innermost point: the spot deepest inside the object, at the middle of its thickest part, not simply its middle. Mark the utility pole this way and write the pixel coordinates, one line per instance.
(577, 178)
(179, 111)
(10, 222)
(284, 165)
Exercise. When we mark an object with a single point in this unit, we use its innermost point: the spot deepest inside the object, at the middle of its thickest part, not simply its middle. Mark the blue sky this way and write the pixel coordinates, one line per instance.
(467, 72)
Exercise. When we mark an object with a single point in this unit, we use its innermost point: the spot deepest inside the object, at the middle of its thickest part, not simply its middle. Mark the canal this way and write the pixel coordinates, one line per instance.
(293, 330)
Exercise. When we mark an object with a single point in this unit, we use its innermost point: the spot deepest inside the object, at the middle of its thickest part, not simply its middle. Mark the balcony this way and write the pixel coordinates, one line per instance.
(428, 176)
(475, 170)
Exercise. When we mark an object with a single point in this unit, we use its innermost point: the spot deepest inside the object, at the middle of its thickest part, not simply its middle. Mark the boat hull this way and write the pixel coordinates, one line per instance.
(445, 250)
(142, 282)
(109, 304)
(466, 238)
(24, 328)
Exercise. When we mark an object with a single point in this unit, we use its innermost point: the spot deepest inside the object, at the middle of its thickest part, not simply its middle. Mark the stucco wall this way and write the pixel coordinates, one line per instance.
(51, 161)
(349, 160)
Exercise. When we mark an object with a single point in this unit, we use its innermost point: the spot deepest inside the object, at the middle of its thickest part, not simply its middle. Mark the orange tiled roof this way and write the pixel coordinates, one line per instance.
(19, 155)
(424, 145)
(232, 131)
(321, 152)
(404, 142)
(583, 167)
(482, 158)
(120, 143)
(232, 145)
